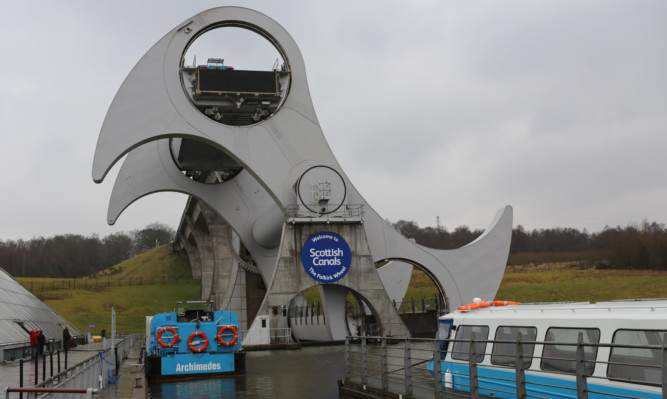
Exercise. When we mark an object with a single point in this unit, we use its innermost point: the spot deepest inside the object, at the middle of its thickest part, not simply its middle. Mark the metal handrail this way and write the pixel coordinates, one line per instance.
(376, 363)
(87, 391)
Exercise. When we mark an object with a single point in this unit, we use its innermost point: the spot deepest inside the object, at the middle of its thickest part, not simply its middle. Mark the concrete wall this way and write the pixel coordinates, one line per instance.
(290, 277)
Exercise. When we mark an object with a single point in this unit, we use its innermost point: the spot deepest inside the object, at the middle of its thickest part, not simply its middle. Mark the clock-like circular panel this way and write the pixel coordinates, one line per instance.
(321, 189)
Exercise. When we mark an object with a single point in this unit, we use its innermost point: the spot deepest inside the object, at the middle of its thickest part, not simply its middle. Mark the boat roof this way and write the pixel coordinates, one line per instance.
(620, 309)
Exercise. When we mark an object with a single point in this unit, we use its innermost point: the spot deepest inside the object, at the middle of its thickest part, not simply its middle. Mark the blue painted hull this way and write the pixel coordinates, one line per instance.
(500, 383)
(177, 367)
(194, 342)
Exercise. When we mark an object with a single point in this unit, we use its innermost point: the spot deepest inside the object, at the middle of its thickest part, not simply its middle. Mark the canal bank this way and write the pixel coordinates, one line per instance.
(131, 382)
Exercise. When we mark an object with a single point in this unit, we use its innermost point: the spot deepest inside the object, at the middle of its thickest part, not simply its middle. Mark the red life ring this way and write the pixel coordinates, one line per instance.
(173, 340)
(193, 347)
(228, 343)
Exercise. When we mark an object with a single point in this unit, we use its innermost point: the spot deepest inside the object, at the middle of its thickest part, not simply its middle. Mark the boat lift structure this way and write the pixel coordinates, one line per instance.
(263, 184)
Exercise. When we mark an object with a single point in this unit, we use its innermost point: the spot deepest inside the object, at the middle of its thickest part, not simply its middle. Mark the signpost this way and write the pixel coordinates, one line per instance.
(326, 257)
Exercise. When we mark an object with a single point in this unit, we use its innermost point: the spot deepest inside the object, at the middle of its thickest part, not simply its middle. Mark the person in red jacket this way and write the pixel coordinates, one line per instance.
(33, 342)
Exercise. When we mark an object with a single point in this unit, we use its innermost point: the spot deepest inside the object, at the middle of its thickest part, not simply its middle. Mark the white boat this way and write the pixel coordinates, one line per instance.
(622, 351)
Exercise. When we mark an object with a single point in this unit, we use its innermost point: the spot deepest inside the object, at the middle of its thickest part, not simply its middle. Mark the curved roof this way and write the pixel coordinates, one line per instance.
(19, 307)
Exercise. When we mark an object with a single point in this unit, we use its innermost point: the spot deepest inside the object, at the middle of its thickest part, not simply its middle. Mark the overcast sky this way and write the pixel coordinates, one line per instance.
(433, 108)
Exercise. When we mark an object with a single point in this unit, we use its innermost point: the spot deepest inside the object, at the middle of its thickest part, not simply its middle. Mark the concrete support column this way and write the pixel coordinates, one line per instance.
(193, 256)
(227, 289)
(290, 277)
(205, 247)
(223, 275)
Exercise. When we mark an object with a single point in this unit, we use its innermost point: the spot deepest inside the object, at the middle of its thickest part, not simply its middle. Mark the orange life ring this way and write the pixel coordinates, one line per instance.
(193, 347)
(504, 303)
(173, 340)
(228, 343)
(473, 306)
(486, 304)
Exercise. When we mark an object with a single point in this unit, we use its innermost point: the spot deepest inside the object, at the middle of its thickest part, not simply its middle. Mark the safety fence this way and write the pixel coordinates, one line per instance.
(347, 211)
(42, 285)
(34, 391)
(266, 336)
(96, 372)
(309, 310)
(421, 304)
(380, 366)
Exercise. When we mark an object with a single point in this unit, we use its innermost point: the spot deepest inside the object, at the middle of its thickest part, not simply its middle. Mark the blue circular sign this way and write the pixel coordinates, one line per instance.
(326, 257)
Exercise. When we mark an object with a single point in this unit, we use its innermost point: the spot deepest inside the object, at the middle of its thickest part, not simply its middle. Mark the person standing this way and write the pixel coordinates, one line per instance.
(66, 337)
(41, 341)
(33, 343)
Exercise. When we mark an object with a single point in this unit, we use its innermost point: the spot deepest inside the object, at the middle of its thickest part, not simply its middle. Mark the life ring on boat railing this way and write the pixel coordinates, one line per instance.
(173, 340)
(473, 306)
(504, 303)
(485, 304)
(192, 346)
(227, 343)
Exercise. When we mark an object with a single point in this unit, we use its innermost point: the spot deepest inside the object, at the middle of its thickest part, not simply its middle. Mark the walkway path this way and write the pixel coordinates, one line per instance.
(126, 387)
(130, 371)
(10, 371)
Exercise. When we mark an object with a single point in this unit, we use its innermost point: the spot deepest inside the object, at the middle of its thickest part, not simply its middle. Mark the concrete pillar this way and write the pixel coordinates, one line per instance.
(205, 247)
(227, 289)
(193, 255)
(290, 277)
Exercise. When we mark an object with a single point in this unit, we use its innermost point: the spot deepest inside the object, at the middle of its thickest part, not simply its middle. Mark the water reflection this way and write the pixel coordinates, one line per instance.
(214, 388)
(301, 374)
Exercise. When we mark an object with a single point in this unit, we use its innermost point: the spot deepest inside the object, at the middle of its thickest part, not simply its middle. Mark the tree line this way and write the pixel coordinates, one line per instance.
(74, 255)
(642, 246)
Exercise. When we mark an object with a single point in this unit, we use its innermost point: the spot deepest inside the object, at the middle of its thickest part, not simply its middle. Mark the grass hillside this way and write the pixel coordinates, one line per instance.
(563, 282)
(149, 283)
(556, 282)
(154, 281)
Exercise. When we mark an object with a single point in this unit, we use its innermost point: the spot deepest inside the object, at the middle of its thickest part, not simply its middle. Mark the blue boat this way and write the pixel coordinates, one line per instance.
(193, 342)
(557, 350)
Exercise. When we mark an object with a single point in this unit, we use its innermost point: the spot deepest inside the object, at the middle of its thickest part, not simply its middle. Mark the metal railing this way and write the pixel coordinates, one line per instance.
(266, 336)
(400, 367)
(88, 391)
(96, 372)
(97, 283)
(421, 304)
(348, 211)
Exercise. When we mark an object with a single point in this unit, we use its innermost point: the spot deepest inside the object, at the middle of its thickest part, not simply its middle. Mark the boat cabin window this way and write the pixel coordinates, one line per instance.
(641, 365)
(445, 328)
(444, 332)
(194, 311)
(461, 349)
(561, 358)
(505, 353)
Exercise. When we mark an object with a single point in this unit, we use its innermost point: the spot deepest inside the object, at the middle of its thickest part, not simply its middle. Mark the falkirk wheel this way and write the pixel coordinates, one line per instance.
(246, 146)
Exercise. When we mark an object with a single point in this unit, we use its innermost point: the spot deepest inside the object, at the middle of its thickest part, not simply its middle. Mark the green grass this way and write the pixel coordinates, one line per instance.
(131, 303)
(582, 285)
(154, 281)
(562, 282)
(159, 278)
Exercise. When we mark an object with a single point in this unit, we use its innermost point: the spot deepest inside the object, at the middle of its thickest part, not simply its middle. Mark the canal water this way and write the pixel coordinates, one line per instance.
(307, 373)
